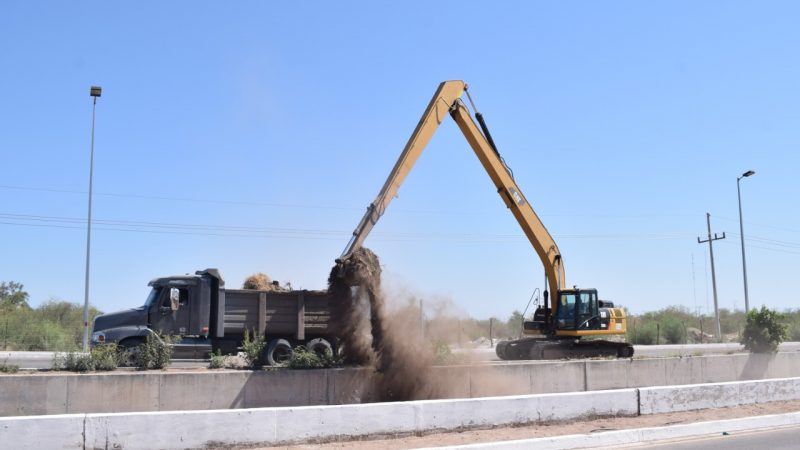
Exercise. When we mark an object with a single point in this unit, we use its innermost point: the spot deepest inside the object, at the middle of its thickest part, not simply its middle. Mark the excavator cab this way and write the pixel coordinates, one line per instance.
(578, 312)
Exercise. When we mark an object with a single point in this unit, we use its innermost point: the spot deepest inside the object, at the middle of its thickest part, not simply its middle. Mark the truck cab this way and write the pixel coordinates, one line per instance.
(179, 306)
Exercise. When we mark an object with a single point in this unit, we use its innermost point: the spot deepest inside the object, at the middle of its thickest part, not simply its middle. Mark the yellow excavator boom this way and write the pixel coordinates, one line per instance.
(447, 100)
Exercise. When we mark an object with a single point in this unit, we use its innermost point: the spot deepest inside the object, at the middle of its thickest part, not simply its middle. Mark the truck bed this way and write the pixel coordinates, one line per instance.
(293, 313)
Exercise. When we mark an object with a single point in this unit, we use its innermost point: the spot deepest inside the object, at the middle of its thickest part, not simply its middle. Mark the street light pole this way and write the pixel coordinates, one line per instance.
(95, 92)
(741, 235)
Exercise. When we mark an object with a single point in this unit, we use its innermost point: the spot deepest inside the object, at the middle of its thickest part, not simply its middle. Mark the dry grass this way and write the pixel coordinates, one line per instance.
(258, 281)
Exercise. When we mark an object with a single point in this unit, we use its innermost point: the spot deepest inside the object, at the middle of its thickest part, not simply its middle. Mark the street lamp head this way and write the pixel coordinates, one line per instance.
(748, 173)
(95, 91)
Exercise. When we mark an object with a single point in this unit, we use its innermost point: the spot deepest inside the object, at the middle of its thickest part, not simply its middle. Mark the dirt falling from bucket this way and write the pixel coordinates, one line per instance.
(369, 337)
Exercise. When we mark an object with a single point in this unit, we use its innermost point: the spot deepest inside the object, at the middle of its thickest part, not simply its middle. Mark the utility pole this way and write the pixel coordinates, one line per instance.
(710, 241)
(421, 320)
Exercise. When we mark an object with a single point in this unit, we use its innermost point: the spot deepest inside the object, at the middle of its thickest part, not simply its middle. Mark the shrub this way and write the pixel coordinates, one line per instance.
(73, 362)
(9, 368)
(217, 360)
(794, 332)
(303, 359)
(105, 357)
(155, 352)
(441, 352)
(253, 349)
(763, 331)
(645, 334)
(672, 330)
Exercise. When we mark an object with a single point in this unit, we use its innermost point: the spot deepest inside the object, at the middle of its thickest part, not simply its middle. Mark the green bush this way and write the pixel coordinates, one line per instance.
(8, 368)
(763, 331)
(644, 334)
(303, 359)
(253, 349)
(217, 360)
(672, 330)
(105, 356)
(155, 352)
(441, 352)
(73, 362)
(794, 332)
(55, 325)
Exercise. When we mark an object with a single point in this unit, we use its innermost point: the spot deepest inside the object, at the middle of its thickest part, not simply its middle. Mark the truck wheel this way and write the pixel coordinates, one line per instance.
(500, 350)
(128, 351)
(319, 346)
(278, 351)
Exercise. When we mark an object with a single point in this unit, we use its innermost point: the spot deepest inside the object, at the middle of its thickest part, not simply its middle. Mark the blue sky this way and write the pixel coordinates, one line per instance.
(251, 136)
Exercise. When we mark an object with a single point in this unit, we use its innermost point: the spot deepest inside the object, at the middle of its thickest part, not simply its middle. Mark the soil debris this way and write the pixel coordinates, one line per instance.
(258, 281)
(369, 337)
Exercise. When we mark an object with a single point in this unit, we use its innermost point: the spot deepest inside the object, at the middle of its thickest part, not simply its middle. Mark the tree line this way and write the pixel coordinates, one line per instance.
(55, 325)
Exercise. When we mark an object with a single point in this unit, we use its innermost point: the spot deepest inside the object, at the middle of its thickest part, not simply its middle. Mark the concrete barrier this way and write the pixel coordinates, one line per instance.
(63, 393)
(52, 432)
(272, 426)
(656, 400)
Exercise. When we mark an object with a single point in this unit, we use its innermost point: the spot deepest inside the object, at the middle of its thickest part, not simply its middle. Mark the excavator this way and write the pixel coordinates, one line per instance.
(573, 324)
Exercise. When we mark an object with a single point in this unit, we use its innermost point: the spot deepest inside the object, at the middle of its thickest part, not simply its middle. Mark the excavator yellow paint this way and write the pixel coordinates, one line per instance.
(447, 100)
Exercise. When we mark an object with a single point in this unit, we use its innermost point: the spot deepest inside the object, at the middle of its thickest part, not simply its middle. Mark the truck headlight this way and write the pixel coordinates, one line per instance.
(98, 337)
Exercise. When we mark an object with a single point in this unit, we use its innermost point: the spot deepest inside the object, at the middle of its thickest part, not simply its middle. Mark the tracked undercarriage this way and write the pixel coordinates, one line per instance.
(546, 348)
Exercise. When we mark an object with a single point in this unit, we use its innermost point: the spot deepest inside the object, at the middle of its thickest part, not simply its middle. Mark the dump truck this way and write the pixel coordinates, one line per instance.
(207, 317)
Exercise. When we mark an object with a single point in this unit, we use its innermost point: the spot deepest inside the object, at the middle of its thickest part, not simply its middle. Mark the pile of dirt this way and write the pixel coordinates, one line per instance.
(368, 337)
(258, 281)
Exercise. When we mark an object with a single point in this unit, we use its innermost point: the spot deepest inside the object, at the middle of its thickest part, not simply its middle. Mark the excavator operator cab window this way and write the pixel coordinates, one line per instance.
(566, 311)
(587, 310)
(578, 310)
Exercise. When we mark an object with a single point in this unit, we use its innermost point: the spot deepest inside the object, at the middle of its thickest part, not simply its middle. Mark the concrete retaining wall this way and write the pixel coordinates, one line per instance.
(656, 400)
(272, 426)
(59, 393)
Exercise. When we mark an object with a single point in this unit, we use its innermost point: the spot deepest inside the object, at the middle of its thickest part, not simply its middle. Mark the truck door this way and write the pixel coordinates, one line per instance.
(173, 315)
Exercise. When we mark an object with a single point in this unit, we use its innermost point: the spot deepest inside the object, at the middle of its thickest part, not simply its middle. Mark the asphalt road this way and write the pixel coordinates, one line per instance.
(773, 439)
(481, 355)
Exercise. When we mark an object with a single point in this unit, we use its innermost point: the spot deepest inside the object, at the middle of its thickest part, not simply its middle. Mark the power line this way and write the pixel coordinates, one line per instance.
(232, 230)
(317, 207)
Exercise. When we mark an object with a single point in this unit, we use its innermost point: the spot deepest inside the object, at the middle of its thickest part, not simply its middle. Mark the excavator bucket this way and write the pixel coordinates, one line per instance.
(358, 267)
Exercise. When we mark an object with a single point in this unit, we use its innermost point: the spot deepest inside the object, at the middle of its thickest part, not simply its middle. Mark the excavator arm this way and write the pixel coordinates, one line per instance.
(447, 100)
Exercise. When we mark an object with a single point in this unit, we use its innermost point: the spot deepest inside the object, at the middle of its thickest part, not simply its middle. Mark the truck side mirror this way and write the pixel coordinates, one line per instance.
(174, 298)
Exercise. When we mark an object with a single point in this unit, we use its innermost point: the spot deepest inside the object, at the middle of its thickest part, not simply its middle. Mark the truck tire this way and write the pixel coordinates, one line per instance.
(500, 350)
(278, 351)
(128, 350)
(319, 346)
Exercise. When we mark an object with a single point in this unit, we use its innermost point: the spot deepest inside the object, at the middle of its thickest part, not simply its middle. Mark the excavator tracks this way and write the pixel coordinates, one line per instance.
(545, 349)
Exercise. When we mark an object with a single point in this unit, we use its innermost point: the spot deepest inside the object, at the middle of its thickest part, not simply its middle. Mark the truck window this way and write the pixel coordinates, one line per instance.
(151, 299)
(183, 298)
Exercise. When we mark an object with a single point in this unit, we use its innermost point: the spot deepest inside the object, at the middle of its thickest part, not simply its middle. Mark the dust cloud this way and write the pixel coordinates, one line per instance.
(370, 336)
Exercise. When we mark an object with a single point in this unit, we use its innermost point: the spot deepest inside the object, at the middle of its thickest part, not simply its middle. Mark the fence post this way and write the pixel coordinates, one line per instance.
(491, 325)
(702, 336)
(658, 333)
